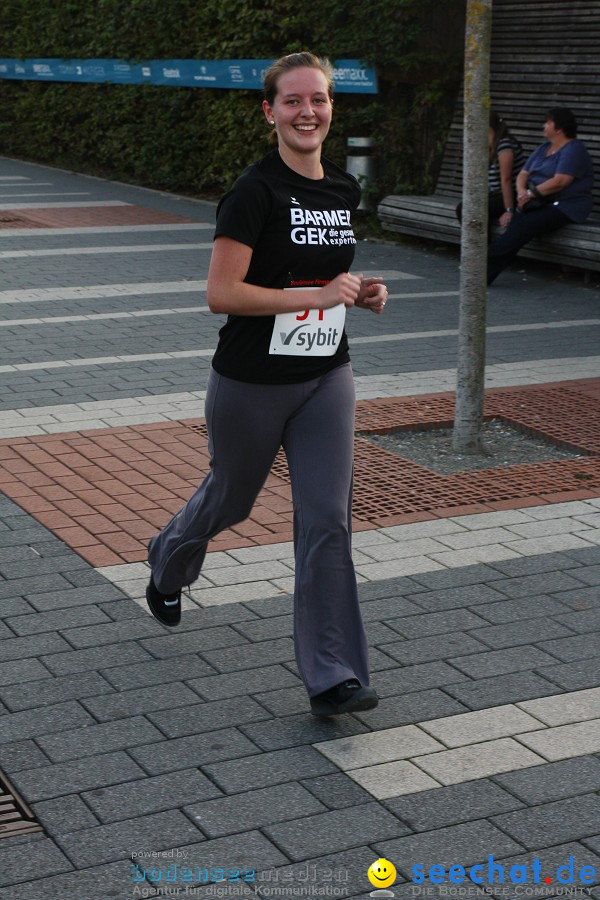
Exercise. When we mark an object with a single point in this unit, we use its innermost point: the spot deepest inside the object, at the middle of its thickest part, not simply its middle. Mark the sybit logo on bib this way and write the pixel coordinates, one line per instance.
(314, 332)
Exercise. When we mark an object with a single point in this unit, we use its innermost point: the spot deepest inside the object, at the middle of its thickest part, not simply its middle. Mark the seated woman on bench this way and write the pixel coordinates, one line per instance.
(506, 158)
(553, 189)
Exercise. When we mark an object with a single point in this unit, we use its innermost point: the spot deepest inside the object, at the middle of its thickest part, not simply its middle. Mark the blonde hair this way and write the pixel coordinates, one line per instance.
(295, 61)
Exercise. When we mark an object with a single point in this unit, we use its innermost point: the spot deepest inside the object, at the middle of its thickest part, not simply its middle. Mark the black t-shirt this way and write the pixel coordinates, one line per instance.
(300, 233)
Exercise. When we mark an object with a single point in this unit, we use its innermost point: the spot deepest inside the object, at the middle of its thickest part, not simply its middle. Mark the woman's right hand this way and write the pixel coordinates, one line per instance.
(523, 198)
(344, 288)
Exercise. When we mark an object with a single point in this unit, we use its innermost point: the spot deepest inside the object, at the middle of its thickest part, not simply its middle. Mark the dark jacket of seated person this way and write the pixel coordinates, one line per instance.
(553, 188)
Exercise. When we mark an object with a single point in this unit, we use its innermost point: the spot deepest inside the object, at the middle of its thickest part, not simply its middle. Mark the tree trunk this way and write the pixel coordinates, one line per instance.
(468, 417)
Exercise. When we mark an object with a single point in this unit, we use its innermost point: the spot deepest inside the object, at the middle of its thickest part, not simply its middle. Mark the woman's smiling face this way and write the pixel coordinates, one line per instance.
(301, 110)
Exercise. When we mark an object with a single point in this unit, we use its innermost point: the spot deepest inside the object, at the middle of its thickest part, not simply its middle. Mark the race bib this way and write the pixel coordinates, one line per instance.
(314, 332)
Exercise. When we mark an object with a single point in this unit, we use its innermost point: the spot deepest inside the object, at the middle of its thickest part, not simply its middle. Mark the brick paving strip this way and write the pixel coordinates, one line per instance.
(106, 492)
(70, 215)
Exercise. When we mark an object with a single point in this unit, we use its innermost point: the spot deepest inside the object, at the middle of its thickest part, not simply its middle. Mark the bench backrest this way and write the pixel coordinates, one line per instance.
(545, 53)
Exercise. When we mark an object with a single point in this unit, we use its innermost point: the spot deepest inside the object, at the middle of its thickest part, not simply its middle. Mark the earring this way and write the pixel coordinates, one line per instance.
(272, 122)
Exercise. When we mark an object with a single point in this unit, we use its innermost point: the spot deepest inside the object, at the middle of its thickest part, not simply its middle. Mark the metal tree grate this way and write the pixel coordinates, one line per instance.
(15, 816)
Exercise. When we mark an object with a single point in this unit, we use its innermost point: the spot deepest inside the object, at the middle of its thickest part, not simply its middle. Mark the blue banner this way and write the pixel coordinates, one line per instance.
(350, 75)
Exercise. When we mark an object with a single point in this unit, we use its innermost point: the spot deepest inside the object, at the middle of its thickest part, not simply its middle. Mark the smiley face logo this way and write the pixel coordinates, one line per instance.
(381, 873)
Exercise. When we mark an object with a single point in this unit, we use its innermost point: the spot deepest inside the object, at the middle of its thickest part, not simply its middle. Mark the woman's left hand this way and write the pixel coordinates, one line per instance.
(372, 295)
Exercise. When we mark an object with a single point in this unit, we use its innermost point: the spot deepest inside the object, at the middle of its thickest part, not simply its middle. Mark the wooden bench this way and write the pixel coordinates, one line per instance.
(544, 53)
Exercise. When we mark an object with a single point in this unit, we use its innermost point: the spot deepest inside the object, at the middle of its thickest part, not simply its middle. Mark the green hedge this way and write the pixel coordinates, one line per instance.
(196, 140)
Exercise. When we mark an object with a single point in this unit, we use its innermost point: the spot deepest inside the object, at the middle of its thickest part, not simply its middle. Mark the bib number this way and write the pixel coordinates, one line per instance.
(314, 332)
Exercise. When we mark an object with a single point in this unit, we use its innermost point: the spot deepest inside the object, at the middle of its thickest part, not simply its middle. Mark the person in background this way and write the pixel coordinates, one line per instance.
(553, 188)
(506, 158)
(281, 377)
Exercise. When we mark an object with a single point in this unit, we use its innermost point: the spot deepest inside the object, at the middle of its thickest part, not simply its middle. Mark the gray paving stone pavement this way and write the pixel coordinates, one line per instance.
(470, 842)
(140, 774)
(196, 747)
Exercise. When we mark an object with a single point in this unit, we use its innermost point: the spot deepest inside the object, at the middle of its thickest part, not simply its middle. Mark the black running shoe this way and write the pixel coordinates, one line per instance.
(164, 607)
(349, 696)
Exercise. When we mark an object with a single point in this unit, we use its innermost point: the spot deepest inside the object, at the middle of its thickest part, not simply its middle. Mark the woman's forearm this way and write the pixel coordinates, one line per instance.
(522, 181)
(228, 291)
(554, 185)
(505, 164)
(507, 194)
(243, 299)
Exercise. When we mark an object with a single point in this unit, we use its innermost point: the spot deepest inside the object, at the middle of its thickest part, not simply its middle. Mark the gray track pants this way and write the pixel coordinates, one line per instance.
(247, 424)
